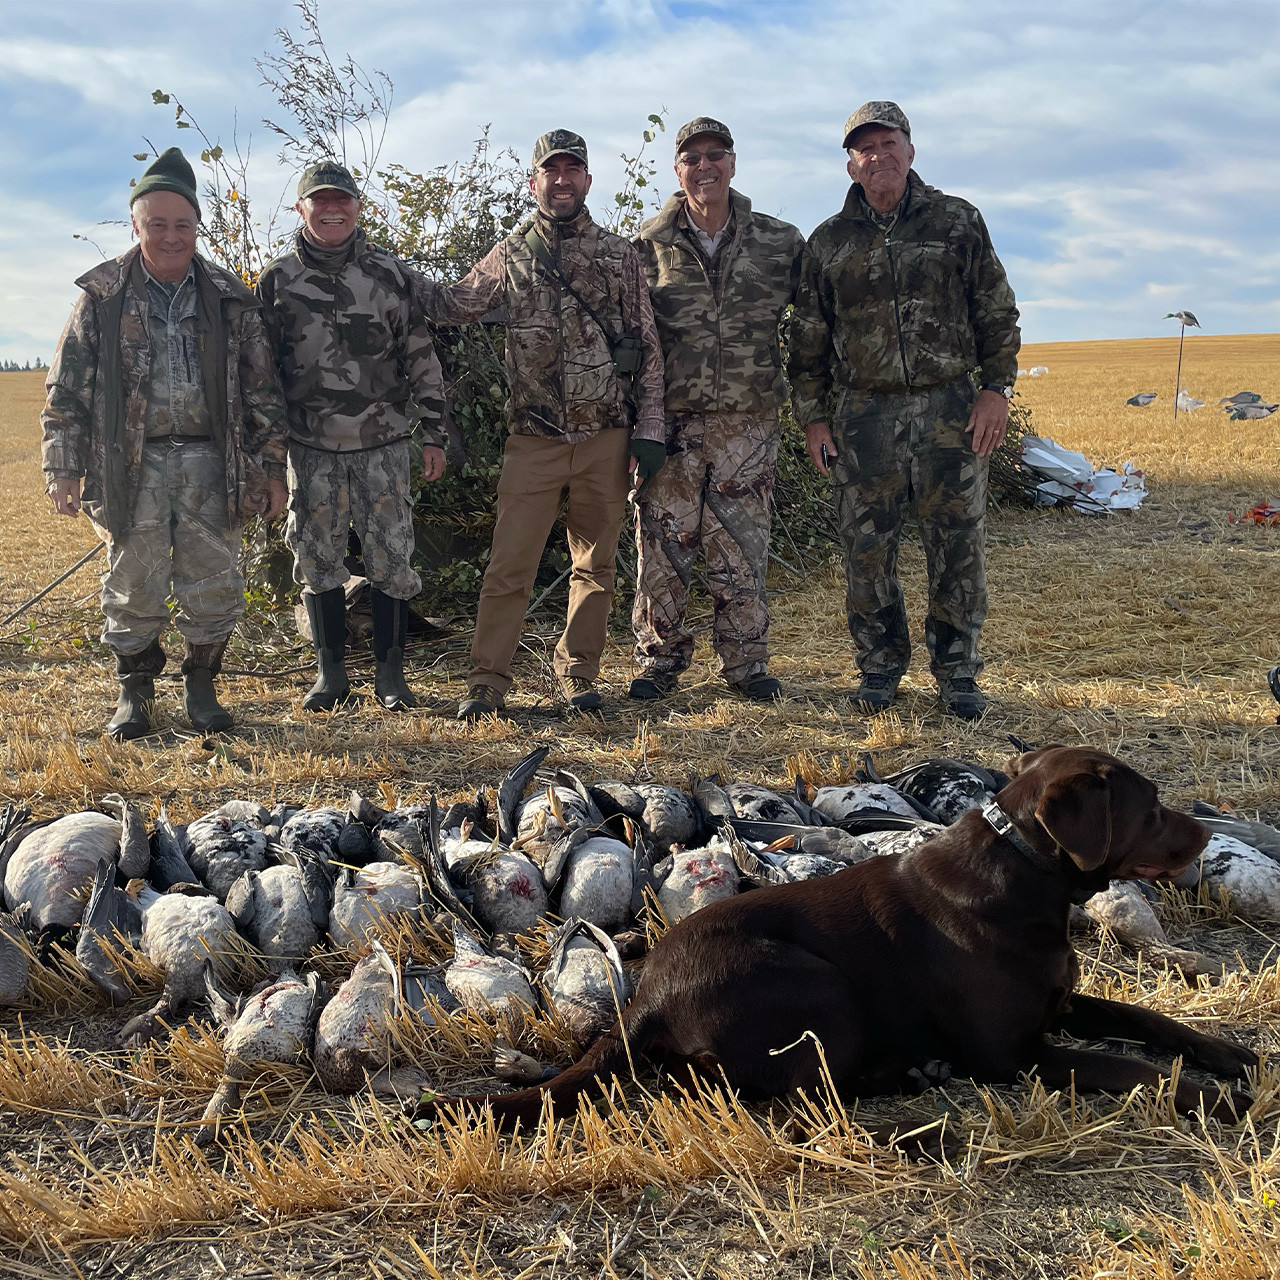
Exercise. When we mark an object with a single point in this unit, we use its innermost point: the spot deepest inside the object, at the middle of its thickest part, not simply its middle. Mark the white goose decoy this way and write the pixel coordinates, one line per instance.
(276, 1023)
(1187, 402)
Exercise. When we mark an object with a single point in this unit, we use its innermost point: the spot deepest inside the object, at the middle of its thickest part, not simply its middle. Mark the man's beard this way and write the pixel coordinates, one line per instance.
(565, 214)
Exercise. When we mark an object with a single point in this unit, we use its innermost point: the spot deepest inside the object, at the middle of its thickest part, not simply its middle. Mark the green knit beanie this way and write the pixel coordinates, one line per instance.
(168, 172)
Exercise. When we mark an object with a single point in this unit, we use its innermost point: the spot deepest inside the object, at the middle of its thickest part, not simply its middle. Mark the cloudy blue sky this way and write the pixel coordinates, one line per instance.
(1124, 153)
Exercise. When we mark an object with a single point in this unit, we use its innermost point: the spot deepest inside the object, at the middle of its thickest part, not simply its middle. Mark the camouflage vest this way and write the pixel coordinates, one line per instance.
(558, 361)
(719, 329)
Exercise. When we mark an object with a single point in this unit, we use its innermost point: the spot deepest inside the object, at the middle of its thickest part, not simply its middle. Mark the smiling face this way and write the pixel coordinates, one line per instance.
(704, 180)
(560, 185)
(165, 224)
(880, 159)
(329, 216)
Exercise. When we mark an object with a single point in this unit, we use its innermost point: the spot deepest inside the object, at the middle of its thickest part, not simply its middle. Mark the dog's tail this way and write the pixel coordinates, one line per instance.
(610, 1056)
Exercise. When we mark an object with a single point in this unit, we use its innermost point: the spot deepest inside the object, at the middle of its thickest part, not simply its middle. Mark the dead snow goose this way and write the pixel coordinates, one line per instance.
(584, 980)
(689, 879)
(221, 849)
(364, 899)
(283, 910)
(483, 982)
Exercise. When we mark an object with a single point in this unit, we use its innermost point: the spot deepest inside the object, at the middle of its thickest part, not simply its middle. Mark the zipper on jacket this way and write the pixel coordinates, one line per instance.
(897, 310)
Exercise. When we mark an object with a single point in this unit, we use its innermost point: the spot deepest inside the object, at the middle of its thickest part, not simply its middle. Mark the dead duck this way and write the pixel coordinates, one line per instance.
(275, 1023)
(49, 868)
(352, 1044)
(221, 848)
(947, 788)
(483, 982)
(689, 879)
(111, 916)
(181, 931)
(583, 979)
(364, 899)
(15, 960)
(283, 910)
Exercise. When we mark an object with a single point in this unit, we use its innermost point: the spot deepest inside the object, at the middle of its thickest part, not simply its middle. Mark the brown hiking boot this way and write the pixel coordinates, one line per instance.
(581, 693)
(481, 700)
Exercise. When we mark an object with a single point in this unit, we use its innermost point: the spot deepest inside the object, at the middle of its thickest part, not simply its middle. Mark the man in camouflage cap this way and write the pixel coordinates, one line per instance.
(903, 306)
(360, 377)
(164, 418)
(720, 276)
(584, 368)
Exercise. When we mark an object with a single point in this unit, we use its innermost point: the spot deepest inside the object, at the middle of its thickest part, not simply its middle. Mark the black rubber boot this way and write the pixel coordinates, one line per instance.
(390, 629)
(136, 673)
(202, 663)
(328, 614)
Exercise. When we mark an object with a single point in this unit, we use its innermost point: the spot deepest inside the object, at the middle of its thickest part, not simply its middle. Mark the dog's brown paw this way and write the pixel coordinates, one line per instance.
(1223, 1057)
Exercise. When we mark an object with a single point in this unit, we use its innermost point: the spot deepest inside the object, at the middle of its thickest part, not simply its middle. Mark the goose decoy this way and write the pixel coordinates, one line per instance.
(1242, 397)
(1187, 402)
(1249, 412)
(1185, 318)
(1142, 399)
(583, 979)
(181, 931)
(275, 1023)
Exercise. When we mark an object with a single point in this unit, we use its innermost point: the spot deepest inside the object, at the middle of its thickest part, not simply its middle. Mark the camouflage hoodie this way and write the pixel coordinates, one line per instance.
(559, 368)
(719, 329)
(94, 418)
(353, 347)
(914, 306)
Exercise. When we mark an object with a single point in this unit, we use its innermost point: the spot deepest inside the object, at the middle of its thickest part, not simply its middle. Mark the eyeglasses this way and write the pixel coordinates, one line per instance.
(692, 159)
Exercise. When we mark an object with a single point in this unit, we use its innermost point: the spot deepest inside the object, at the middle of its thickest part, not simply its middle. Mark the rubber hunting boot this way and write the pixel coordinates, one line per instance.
(327, 612)
(202, 663)
(136, 673)
(390, 629)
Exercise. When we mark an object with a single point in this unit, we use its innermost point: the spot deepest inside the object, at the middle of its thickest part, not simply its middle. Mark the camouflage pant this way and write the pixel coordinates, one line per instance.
(714, 496)
(181, 538)
(367, 490)
(897, 450)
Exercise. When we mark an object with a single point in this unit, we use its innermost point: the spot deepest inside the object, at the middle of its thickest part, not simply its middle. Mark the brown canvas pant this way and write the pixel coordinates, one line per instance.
(537, 473)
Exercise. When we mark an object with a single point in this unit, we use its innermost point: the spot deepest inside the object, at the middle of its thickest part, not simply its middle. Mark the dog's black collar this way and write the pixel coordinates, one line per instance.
(1003, 826)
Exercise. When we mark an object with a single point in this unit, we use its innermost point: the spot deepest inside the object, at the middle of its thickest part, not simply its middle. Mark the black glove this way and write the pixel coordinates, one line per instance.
(650, 456)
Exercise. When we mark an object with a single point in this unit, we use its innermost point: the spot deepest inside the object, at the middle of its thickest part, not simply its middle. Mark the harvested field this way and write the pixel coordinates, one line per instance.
(1146, 633)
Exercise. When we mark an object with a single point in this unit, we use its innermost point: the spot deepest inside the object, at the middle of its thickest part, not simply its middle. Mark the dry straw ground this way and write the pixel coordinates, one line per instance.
(1147, 634)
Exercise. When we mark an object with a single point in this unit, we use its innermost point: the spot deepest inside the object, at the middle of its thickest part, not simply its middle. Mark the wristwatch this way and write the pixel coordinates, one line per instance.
(1000, 390)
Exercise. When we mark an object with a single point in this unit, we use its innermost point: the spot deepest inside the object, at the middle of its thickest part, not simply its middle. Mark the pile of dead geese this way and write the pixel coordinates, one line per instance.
(604, 858)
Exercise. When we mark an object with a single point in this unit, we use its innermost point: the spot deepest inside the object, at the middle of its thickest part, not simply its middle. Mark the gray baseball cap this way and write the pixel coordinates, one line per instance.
(700, 125)
(881, 112)
(326, 175)
(559, 142)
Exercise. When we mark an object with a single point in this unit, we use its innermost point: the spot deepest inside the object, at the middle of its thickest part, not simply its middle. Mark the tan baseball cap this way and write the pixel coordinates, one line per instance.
(881, 112)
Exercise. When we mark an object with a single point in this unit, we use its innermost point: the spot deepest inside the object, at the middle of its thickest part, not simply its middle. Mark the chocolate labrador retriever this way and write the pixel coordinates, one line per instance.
(956, 951)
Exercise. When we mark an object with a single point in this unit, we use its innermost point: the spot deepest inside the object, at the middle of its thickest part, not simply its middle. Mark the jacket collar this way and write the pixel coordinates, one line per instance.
(109, 278)
(921, 194)
(665, 226)
(554, 229)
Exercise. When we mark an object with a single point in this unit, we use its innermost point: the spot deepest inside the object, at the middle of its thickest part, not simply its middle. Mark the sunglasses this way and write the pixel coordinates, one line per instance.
(691, 159)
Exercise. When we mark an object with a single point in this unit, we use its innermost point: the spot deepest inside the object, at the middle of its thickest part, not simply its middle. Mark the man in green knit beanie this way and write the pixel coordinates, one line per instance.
(164, 418)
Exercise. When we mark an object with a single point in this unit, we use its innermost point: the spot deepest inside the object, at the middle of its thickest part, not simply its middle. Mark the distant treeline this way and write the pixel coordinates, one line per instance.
(12, 366)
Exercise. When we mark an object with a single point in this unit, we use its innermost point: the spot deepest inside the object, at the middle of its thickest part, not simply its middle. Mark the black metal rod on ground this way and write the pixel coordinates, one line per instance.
(62, 577)
(1177, 382)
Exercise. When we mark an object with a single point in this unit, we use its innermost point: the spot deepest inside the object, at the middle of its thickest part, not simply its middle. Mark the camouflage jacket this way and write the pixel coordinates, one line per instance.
(916, 306)
(719, 327)
(94, 419)
(354, 350)
(559, 367)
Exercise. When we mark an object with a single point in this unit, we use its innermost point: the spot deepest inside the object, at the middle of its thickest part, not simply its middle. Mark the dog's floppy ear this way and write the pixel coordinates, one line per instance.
(1076, 812)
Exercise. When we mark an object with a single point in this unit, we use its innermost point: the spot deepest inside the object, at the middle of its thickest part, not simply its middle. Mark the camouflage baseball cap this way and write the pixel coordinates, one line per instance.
(888, 114)
(559, 142)
(703, 124)
(326, 175)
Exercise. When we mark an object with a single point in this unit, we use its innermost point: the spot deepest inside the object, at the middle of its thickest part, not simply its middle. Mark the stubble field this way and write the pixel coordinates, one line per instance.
(1147, 634)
